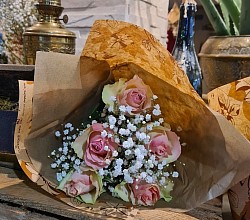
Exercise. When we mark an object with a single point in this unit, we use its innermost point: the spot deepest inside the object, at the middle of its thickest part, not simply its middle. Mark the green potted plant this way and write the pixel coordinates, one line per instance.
(225, 57)
(8, 116)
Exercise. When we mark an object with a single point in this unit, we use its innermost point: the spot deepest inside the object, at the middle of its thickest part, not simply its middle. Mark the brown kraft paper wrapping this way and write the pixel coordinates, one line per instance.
(66, 87)
(233, 102)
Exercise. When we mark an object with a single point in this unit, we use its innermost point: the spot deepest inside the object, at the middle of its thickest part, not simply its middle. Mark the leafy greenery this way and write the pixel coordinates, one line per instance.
(6, 104)
(234, 19)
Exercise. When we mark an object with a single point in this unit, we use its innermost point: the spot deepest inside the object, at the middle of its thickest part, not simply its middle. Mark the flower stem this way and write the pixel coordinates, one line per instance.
(214, 17)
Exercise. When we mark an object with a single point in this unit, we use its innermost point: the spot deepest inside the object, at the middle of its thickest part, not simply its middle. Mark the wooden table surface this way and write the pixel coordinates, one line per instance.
(21, 199)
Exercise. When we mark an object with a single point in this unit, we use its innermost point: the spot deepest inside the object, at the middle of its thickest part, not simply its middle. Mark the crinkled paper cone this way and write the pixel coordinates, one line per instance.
(66, 88)
(233, 102)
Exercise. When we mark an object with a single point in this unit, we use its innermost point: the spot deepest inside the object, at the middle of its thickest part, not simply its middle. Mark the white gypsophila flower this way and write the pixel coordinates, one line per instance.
(161, 120)
(66, 132)
(175, 174)
(77, 162)
(117, 140)
(143, 175)
(101, 172)
(119, 161)
(149, 179)
(166, 174)
(131, 127)
(112, 120)
(76, 167)
(59, 177)
(53, 153)
(107, 161)
(65, 150)
(110, 135)
(126, 144)
(128, 152)
(64, 173)
(53, 165)
(132, 169)
(141, 135)
(148, 117)
(141, 117)
(157, 123)
(117, 172)
(155, 97)
(149, 127)
(65, 166)
(138, 165)
(128, 178)
(122, 117)
(65, 144)
(63, 158)
(143, 150)
(93, 122)
(115, 129)
(73, 158)
(129, 109)
(164, 162)
(160, 166)
(58, 161)
(150, 163)
(111, 189)
(162, 181)
(105, 125)
(122, 131)
(122, 108)
(57, 133)
(71, 128)
(106, 148)
(157, 106)
(104, 133)
(112, 98)
(68, 125)
(114, 153)
(74, 136)
(156, 112)
(111, 108)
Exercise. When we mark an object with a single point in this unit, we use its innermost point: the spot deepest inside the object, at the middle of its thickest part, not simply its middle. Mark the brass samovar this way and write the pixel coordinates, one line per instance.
(48, 34)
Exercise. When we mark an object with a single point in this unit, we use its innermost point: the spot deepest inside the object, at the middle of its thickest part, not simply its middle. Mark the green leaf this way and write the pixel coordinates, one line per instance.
(165, 191)
(244, 18)
(214, 17)
(64, 180)
(111, 90)
(123, 191)
(231, 8)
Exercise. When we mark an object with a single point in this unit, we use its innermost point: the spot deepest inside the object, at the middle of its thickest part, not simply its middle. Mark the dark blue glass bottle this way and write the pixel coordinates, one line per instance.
(184, 49)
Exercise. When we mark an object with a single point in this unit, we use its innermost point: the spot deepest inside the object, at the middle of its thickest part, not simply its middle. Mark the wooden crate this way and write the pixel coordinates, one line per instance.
(9, 76)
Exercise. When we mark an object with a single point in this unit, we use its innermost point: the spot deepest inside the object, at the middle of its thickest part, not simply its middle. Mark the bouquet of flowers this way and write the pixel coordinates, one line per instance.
(127, 149)
(122, 120)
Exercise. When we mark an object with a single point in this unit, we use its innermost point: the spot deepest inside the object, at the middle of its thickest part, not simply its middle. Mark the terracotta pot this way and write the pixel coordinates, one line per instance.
(224, 59)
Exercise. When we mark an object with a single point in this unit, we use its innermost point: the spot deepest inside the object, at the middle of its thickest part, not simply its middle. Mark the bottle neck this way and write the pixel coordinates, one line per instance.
(186, 26)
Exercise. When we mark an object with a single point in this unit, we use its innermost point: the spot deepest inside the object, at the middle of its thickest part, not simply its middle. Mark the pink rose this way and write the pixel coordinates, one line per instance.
(164, 144)
(85, 185)
(135, 94)
(79, 184)
(144, 193)
(91, 146)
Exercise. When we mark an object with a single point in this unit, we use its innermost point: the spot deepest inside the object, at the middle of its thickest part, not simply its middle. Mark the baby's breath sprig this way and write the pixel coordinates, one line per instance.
(65, 158)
